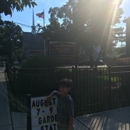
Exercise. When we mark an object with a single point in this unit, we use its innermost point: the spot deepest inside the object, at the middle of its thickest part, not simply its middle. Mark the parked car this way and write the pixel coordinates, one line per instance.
(87, 62)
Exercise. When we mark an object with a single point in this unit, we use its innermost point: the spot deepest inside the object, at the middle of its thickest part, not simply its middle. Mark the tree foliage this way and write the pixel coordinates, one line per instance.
(40, 61)
(10, 38)
(7, 6)
(89, 22)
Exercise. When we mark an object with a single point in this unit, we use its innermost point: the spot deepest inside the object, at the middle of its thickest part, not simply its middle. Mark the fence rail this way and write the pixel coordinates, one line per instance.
(95, 89)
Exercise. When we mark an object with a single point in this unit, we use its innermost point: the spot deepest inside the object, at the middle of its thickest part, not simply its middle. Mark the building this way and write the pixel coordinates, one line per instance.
(33, 43)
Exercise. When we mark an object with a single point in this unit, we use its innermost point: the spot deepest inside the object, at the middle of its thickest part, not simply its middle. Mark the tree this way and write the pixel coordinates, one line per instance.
(10, 39)
(7, 6)
(89, 22)
(117, 35)
(53, 30)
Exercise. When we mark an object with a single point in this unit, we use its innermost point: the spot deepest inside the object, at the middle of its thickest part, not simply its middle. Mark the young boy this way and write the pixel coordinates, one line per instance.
(65, 107)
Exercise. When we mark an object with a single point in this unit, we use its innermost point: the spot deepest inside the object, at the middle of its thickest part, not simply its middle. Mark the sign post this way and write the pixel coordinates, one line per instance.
(29, 112)
(42, 117)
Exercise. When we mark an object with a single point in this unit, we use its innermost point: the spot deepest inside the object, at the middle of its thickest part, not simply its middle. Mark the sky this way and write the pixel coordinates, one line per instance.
(25, 17)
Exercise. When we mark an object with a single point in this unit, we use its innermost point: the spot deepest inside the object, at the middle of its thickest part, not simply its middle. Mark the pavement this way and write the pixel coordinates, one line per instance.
(5, 117)
(117, 119)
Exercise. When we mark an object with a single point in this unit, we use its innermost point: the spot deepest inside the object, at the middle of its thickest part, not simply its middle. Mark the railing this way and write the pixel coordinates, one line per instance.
(94, 90)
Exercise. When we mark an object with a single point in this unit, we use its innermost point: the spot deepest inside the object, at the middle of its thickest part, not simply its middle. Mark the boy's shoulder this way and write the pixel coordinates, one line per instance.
(70, 98)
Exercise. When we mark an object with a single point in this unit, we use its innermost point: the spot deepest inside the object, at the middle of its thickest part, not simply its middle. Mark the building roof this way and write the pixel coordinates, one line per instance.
(33, 41)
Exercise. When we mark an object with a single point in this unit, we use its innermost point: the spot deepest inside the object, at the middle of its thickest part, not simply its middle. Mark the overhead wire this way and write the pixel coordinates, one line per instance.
(23, 24)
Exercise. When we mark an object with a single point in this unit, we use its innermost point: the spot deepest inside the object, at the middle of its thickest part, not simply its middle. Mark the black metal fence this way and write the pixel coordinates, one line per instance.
(95, 89)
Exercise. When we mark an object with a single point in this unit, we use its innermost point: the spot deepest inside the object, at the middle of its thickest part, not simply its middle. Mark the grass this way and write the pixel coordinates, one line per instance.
(10, 95)
(1, 64)
(14, 103)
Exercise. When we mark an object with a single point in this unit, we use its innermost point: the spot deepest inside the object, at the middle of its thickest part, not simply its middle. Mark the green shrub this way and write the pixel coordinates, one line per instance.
(36, 76)
(1, 64)
(40, 62)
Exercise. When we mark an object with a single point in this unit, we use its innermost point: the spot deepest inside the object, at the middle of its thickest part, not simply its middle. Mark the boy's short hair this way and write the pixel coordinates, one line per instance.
(66, 82)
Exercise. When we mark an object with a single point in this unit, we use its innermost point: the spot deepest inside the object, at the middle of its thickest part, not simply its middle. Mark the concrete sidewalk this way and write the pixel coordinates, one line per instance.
(118, 119)
(5, 118)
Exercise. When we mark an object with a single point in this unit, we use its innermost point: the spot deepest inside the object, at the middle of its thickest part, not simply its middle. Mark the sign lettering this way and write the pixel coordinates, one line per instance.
(62, 49)
(44, 118)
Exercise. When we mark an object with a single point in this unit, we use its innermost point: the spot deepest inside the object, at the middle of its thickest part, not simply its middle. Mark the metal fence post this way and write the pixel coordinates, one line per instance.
(6, 67)
(73, 76)
(29, 124)
(14, 89)
(109, 72)
(48, 45)
(73, 79)
(76, 63)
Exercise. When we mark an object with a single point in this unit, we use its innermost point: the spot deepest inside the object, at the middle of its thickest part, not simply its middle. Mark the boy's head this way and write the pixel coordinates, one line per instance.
(66, 83)
(65, 86)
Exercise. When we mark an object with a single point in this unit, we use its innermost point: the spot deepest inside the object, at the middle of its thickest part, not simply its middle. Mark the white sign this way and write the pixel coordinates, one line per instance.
(42, 117)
